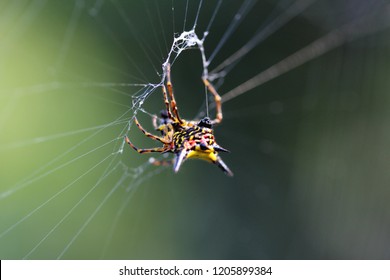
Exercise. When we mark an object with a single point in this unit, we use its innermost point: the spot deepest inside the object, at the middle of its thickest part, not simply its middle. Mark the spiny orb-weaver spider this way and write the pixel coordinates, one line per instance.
(185, 139)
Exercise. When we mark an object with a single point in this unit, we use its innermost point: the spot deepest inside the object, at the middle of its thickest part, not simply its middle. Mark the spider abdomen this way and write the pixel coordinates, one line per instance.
(191, 137)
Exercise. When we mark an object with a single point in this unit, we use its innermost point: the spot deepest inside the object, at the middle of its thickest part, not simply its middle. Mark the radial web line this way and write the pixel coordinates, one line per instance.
(244, 9)
(351, 31)
(30, 179)
(51, 198)
(70, 30)
(69, 212)
(197, 14)
(261, 34)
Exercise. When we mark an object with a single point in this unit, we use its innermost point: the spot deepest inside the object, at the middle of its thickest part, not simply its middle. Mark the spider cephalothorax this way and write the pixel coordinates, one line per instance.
(185, 139)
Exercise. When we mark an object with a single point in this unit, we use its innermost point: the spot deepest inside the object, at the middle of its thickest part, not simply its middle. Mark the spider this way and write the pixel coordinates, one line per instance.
(185, 139)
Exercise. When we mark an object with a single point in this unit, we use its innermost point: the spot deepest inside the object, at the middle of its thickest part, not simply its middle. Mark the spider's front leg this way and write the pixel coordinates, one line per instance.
(154, 137)
(171, 95)
(166, 101)
(150, 135)
(217, 100)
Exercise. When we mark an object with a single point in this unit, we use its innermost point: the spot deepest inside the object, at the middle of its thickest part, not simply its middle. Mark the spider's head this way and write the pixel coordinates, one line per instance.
(205, 122)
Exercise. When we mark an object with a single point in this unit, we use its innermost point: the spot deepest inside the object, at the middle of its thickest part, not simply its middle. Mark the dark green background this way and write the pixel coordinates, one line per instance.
(309, 149)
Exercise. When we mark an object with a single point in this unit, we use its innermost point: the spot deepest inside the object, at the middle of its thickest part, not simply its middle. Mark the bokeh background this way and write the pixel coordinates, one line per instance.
(309, 149)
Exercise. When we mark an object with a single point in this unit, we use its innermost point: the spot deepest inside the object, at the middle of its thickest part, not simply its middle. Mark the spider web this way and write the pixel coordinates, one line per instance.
(74, 75)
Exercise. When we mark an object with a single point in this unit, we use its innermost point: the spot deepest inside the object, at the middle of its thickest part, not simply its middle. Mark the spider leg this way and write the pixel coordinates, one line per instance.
(150, 135)
(171, 95)
(157, 162)
(166, 101)
(142, 151)
(154, 122)
(217, 99)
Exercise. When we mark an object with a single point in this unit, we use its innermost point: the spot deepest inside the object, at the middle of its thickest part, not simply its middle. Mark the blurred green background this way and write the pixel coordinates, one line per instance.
(309, 149)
